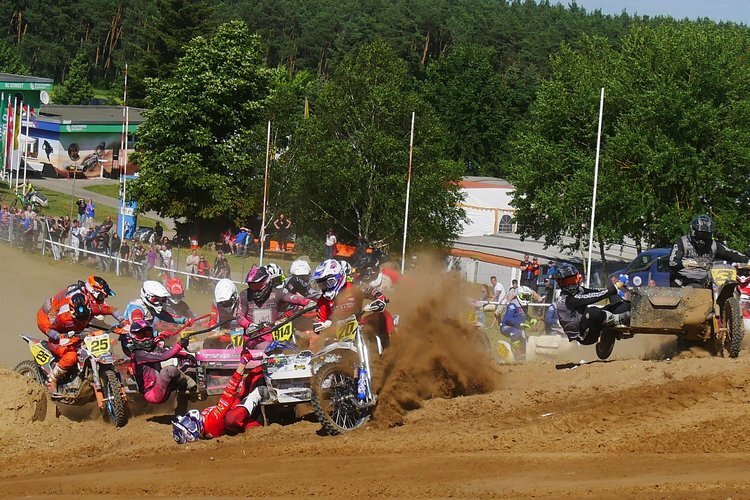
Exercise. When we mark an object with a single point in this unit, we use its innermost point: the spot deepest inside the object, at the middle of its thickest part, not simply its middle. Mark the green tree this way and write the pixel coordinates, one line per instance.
(10, 61)
(350, 157)
(76, 88)
(201, 147)
(675, 130)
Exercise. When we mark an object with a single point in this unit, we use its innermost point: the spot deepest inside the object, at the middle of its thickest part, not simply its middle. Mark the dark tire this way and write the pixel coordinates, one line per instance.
(114, 408)
(606, 344)
(334, 396)
(29, 369)
(735, 327)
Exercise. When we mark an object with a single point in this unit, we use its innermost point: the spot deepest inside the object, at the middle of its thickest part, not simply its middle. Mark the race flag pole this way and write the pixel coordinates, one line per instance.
(408, 191)
(596, 180)
(124, 152)
(26, 145)
(265, 195)
(7, 163)
(13, 142)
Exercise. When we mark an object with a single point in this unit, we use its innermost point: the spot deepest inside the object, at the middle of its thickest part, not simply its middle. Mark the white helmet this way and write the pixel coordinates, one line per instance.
(524, 295)
(275, 272)
(225, 293)
(300, 268)
(153, 295)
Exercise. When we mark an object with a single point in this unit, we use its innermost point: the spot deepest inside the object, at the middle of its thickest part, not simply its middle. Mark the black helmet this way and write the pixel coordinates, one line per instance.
(366, 267)
(79, 308)
(567, 276)
(702, 229)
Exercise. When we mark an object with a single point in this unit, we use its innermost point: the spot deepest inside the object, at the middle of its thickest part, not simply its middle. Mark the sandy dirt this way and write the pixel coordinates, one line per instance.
(448, 425)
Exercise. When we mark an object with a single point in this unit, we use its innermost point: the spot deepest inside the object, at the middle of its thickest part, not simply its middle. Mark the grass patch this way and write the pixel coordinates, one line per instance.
(111, 190)
(61, 204)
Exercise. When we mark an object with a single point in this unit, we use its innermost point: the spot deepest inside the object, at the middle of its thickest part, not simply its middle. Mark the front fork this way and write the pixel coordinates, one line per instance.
(364, 385)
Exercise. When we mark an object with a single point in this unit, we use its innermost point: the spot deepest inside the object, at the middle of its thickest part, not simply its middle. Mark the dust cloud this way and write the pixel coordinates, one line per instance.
(436, 353)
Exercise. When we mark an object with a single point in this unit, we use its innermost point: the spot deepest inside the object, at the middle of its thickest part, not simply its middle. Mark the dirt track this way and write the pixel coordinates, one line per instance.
(657, 429)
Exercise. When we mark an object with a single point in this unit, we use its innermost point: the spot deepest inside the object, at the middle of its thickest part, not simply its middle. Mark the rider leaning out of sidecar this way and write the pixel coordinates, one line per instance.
(71, 310)
(236, 411)
(695, 248)
(580, 318)
(155, 382)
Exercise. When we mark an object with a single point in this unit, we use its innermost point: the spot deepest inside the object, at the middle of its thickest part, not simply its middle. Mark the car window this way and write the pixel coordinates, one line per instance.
(641, 263)
(662, 264)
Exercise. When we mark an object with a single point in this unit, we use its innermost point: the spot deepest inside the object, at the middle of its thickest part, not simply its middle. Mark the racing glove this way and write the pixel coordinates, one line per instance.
(319, 326)
(184, 342)
(378, 305)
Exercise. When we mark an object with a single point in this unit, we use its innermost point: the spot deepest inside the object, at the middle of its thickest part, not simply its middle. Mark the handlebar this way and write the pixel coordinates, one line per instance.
(163, 336)
(266, 329)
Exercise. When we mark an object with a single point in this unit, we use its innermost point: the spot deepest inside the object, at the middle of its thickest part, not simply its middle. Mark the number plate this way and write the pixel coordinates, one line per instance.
(237, 339)
(347, 330)
(98, 345)
(40, 354)
(284, 334)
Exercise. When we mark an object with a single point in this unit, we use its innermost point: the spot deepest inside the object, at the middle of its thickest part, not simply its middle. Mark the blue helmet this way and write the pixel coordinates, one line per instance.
(187, 428)
(330, 277)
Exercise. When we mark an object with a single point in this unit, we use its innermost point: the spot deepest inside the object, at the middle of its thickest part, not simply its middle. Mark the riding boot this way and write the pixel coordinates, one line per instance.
(622, 319)
(57, 374)
(186, 384)
(255, 398)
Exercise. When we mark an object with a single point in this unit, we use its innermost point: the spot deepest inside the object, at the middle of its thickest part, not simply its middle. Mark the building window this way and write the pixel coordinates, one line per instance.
(505, 225)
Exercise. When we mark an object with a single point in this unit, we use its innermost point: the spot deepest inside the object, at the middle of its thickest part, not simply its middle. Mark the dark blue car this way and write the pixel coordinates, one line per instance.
(649, 265)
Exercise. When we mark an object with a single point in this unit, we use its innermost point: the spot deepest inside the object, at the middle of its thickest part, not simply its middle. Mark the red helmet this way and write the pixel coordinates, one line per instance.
(258, 283)
(97, 288)
(176, 290)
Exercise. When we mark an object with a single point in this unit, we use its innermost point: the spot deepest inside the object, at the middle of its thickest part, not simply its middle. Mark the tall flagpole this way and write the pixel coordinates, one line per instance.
(124, 153)
(408, 191)
(13, 141)
(5, 135)
(26, 144)
(7, 164)
(265, 195)
(596, 181)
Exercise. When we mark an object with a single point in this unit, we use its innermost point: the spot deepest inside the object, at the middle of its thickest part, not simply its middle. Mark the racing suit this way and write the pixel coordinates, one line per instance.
(154, 382)
(214, 417)
(221, 314)
(511, 324)
(249, 312)
(295, 284)
(581, 320)
(349, 301)
(687, 248)
(137, 310)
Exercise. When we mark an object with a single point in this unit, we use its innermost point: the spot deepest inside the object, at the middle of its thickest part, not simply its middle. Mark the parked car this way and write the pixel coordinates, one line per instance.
(649, 265)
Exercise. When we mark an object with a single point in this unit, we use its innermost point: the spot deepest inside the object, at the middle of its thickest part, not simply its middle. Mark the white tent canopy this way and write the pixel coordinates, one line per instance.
(487, 205)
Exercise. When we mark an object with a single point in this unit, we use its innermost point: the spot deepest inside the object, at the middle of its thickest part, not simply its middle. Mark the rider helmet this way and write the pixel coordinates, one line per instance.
(141, 335)
(153, 295)
(98, 288)
(275, 274)
(524, 295)
(78, 306)
(176, 290)
(258, 283)
(346, 267)
(225, 294)
(567, 276)
(702, 229)
(366, 268)
(330, 277)
(187, 428)
(300, 268)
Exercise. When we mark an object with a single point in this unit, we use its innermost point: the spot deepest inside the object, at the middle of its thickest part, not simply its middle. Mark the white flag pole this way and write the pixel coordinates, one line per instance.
(408, 191)
(596, 181)
(7, 145)
(26, 144)
(13, 142)
(5, 136)
(265, 195)
(124, 153)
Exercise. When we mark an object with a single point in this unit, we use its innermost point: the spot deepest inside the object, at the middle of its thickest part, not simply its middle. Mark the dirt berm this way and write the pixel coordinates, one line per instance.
(627, 428)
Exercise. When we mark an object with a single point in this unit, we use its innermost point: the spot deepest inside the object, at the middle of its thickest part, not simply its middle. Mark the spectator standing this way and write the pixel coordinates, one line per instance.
(498, 290)
(81, 204)
(221, 266)
(158, 231)
(282, 225)
(330, 244)
(151, 257)
(76, 239)
(166, 258)
(550, 282)
(138, 257)
(124, 254)
(534, 274)
(192, 261)
(525, 265)
(512, 291)
(240, 242)
(204, 269)
(107, 224)
(90, 211)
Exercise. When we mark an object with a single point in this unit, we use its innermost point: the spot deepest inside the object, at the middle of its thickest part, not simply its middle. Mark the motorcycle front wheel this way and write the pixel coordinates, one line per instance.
(334, 398)
(29, 369)
(114, 404)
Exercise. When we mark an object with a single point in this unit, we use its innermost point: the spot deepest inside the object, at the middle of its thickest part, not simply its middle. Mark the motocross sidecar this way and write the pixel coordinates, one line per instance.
(711, 316)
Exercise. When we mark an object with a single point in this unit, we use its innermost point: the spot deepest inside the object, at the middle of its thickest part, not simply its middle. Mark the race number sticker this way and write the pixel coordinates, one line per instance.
(40, 354)
(284, 334)
(262, 315)
(347, 330)
(98, 345)
(237, 339)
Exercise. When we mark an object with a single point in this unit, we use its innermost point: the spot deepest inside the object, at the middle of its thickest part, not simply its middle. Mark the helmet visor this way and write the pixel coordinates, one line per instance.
(257, 286)
(328, 283)
(157, 301)
(226, 304)
(703, 236)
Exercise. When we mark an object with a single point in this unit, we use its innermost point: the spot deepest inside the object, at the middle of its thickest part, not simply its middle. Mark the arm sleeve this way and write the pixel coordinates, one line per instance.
(589, 297)
(373, 293)
(292, 298)
(144, 357)
(241, 314)
(724, 253)
(325, 307)
(675, 257)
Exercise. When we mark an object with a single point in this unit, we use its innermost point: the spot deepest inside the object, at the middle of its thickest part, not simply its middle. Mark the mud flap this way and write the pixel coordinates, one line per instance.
(546, 347)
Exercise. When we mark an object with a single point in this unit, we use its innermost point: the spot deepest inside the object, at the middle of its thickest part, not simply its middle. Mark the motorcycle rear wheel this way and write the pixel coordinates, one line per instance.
(334, 398)
(114, 407)
(29, 369)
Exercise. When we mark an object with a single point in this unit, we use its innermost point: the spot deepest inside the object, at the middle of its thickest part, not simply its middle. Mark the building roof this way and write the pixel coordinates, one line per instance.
(473, 182)
(10, 77)
(88, 114)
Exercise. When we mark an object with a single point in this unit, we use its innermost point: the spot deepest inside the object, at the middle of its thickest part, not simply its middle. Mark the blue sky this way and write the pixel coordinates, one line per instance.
(718, 10)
